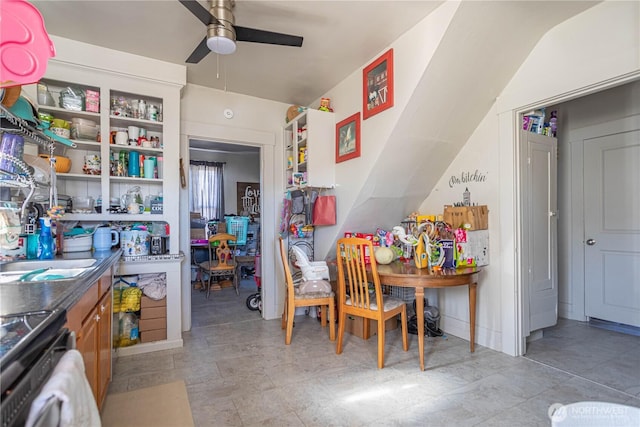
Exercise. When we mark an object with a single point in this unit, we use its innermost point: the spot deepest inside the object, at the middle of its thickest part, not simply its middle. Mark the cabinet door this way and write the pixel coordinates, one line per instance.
(87, 345)
(104, 346)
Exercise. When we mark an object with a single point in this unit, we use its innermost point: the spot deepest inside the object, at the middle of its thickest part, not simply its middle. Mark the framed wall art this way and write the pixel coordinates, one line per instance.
(377, 83)
(248, 198)
(348, 138)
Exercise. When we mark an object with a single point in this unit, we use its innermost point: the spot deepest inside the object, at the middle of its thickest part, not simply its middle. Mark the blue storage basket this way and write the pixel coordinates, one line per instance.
(238, 226)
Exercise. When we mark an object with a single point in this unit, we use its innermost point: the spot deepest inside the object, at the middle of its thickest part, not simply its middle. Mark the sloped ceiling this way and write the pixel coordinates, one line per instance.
(339, 36)
(483, 47)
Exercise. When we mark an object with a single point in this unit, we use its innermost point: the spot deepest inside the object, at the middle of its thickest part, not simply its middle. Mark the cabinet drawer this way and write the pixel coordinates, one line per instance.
(150, 324)
(105, 282)
(83, 307)
(153, 312)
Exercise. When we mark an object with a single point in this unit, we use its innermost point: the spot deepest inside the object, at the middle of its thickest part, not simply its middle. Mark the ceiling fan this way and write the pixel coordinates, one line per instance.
(222, 33)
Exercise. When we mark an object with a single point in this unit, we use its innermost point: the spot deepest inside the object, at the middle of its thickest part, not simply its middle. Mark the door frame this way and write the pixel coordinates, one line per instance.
(514, 333)
(266, 141)
(576, 140)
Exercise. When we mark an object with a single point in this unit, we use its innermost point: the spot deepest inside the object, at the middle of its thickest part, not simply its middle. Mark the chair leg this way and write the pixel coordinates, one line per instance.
(209, 286)
(290, 316)
(284, 312)
(381, 325)
(405, 337)
(332, 321)
(341, 323)
(323, 315)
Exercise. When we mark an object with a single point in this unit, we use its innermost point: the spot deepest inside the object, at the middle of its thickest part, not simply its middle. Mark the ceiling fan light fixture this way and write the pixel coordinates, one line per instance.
(221, 37)
(221, 45)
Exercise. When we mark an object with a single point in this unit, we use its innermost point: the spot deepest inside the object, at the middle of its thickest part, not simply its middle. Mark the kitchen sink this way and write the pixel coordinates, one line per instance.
(47, 263)
(45, 270)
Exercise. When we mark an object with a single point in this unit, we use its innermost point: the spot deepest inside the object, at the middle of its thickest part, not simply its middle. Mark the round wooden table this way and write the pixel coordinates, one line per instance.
(408, 275)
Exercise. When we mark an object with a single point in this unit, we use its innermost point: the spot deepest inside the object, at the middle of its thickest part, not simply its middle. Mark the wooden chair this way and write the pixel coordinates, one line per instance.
(295, 299)
(221, 263)
(355, 297)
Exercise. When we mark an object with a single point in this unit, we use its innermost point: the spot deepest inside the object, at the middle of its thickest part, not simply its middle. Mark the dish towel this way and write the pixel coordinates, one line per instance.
(69, 386)
(153, 285)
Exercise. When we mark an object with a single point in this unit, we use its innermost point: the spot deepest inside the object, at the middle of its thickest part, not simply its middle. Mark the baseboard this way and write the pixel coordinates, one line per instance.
(616, 327)
(148, 347)
(460, 328)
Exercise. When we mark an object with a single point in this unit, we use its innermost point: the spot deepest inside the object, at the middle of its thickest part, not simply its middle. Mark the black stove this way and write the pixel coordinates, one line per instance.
(31, 343)
(18, 331)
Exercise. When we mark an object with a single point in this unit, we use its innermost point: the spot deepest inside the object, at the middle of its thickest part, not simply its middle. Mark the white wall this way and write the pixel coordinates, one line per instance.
(410, 61)
(256, 122)
(597, 46)
(237, 168)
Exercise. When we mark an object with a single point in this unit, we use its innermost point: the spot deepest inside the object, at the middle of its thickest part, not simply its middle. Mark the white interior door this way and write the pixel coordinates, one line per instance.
(541, 229)
(612, 227)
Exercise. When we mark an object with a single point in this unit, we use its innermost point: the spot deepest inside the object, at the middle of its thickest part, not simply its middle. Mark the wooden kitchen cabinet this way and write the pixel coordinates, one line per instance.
(86, 339)
(91, 318)
(104, 346)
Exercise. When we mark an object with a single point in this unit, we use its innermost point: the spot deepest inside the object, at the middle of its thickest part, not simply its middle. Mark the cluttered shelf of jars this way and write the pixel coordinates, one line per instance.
(133, 166)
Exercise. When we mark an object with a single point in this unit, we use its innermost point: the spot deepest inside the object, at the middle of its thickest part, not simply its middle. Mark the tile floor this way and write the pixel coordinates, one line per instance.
(238, 372)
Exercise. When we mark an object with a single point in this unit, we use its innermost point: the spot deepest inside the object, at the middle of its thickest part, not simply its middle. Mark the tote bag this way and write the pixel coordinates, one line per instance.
(324, 210)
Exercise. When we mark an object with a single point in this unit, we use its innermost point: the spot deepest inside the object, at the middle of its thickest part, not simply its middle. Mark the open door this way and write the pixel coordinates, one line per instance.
(540, 227)
(612, 232)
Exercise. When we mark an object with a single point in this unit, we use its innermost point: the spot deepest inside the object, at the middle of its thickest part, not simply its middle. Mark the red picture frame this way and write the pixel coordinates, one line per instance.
(377, 85)
(348, 138)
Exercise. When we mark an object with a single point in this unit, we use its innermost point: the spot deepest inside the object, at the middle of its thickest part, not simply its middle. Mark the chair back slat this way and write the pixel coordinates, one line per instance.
(352, 273)
(285, 264)
(223, 251)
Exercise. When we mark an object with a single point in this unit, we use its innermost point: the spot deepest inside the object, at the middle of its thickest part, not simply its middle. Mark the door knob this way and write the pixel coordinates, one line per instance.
(591, 242)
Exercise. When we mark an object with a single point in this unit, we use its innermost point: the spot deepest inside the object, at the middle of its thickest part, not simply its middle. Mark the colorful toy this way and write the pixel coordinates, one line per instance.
(325, 104)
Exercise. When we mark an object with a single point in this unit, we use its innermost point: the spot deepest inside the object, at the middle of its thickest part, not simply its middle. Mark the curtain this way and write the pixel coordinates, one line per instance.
(207, 189)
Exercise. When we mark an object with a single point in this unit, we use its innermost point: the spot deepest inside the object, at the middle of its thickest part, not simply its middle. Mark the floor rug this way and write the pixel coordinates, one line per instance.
(162, 405)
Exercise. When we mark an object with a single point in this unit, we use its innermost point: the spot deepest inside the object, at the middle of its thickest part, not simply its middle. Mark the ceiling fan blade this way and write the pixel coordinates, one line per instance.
(253, 35)
(199, 11)
(199, 52)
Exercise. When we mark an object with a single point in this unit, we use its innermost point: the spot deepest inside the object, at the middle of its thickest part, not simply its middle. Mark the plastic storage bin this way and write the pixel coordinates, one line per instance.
(238, 225)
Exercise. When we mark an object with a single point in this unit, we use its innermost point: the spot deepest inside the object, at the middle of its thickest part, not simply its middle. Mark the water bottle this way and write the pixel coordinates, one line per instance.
(45, 246)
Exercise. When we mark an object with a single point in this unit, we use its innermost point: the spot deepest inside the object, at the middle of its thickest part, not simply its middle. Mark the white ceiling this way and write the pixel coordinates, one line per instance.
(339, 38)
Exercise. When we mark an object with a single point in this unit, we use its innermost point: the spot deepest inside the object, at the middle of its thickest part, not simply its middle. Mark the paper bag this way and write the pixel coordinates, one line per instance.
(324, 210)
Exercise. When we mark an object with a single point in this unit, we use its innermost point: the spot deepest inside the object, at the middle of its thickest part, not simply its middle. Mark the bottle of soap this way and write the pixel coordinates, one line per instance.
(45, 246)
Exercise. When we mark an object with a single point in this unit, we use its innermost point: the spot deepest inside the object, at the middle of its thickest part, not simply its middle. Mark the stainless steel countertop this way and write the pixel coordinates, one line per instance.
(23, 297)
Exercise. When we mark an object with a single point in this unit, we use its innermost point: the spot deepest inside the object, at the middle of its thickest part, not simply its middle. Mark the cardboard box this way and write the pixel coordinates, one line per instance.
(355, 326)
(153, 312)
(151, 324)
(467, 217)
(146, 302)
(155, 335)
(198, 233)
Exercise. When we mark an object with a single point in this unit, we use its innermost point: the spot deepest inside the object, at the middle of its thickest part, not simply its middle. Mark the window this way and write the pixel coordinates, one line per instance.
(207, 189)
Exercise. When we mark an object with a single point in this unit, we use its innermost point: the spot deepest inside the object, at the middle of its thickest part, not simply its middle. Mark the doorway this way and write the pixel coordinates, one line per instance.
(241, 176)
(581, 117)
